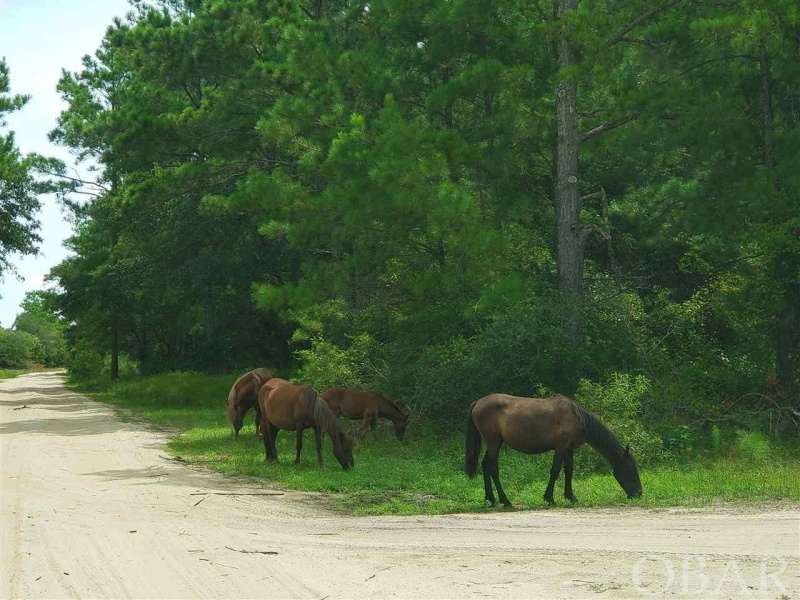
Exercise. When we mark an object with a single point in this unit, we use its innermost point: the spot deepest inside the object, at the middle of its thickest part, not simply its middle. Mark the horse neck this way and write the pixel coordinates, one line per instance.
(389, 410)
(323, 416)
(599, 437)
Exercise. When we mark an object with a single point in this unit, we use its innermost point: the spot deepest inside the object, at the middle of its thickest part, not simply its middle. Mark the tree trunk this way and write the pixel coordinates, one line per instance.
(114, 346)
(567, 196)
(766, 103)
(787, 340)
(788, 317)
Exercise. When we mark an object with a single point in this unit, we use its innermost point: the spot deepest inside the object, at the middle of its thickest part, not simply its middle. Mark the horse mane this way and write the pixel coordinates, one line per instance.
(599, 436)
(319, 411)
(391, 403)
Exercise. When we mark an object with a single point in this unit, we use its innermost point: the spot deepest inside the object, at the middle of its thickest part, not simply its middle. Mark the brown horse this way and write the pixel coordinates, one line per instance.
(297, 408)
(536, 425)
(367, 406)
(244, 396)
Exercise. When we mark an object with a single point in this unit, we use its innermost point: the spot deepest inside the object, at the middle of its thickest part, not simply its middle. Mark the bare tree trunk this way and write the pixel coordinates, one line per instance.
(766, 103)
(114, 345)
(567, 196)
(787, 321)
(787, 340)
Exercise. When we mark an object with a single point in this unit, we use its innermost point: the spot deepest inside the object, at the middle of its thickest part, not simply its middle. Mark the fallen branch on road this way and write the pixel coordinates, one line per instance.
(237, 493)
(253, 551)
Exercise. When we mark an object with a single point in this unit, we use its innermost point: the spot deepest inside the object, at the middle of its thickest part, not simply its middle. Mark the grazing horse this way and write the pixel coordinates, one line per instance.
(536, 425)
(297, 408)
(244, 396)
(368, 406)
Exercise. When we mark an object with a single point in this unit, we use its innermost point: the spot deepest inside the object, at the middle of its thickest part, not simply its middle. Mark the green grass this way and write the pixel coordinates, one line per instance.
(10, 373)
(424, 474)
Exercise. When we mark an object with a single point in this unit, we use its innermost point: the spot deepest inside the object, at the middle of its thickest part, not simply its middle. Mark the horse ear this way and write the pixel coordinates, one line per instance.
(628, 450)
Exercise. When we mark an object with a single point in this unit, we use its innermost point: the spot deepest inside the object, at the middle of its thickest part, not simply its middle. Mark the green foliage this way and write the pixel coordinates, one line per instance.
(18, 188)
(618, 402)
(365, 197)
(753, 447)
(85, 363)
(424, 473)
(38, 319)
(10, 373)
(18, 349)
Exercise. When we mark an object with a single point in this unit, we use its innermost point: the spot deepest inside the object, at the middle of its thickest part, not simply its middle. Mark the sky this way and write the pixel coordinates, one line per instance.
(38, 38)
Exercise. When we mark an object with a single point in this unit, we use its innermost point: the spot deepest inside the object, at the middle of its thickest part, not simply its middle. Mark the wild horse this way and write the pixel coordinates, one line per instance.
(244, 396)
(367, 406)
(537, 425)
(297, 408)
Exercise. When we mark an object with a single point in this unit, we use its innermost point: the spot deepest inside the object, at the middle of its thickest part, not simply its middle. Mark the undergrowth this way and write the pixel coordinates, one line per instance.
(424, 473)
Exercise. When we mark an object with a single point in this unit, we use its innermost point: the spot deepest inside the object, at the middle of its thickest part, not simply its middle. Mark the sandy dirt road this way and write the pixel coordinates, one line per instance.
(91, 509)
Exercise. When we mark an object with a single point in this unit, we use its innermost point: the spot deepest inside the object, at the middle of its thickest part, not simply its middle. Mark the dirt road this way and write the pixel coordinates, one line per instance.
(91, 509)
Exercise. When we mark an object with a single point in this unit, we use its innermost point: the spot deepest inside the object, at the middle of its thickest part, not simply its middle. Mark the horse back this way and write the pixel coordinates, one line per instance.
(287, 405)
(529, 425)
(352, 403)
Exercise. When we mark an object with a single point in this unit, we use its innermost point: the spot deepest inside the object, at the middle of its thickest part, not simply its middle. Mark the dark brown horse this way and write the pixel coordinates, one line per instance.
(244, 396)
(297, 408)
(536, 425)
(366, 406)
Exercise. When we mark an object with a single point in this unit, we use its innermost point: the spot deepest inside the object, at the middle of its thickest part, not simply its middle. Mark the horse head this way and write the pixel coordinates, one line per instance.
(626, 472)
(401, 424)
(343, 449)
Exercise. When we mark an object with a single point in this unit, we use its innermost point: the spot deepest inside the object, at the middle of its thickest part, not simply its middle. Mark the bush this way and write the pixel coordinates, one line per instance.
(18, 349)
(85, 363)
(127, 368)
(753, 447)
(326, 365)
(617, 401)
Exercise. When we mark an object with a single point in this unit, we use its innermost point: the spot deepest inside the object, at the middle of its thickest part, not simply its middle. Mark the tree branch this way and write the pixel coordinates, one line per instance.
(608, 127)
(623, 31)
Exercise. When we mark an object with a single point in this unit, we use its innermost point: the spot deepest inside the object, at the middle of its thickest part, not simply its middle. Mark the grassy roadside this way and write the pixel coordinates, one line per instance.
(424, 474)
(11, 373)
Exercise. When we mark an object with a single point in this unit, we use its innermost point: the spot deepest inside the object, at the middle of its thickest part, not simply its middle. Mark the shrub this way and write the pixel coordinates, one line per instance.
(85, 363)
(617, 401)
(17, 349)
(753, 447)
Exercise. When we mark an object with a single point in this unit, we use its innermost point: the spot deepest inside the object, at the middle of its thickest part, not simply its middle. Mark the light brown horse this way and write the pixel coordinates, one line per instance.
(244, 396)
(264, 392)
(366, 406)
(536, 425)
(297, 408)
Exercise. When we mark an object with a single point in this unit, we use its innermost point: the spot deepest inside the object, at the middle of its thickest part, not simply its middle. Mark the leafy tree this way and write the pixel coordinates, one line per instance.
(18, 188)
(38, 319)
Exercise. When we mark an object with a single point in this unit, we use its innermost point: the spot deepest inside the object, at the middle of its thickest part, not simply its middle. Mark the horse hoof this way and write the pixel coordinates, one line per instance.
(572, 499)
(506, 504)
(550, 501)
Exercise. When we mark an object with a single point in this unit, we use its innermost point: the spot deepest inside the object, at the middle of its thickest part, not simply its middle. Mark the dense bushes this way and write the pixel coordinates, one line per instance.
(18, 349)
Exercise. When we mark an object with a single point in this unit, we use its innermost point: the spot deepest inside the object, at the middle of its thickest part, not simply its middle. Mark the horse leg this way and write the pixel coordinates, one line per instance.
(558, 459)
(270, 433)
(299, 445)
(369, 417)
(318, 440)
(568, 464)
(487, 478)
(496, 477)
(258, 420)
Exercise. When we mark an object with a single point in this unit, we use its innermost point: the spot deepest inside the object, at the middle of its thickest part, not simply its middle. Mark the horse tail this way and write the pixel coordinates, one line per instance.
(472, 445)
(231, 404)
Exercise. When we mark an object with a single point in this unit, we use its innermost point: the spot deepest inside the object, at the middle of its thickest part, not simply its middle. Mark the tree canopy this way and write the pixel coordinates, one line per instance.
(18, 187)
(443, 199)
